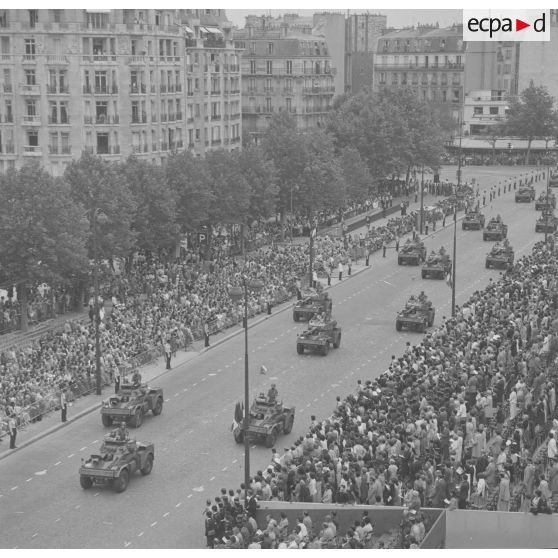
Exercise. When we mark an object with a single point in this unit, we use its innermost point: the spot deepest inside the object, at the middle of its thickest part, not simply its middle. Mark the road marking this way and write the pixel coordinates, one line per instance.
(185, 389)
(189, 496)
(259, 348)
(14, 488)
(126, 544)
(94, 441)
(71, 455)
(78, 506)
(29, 479)
(212, 374)
(153, 524)
(180, 503)
(34, 535)
(166, 514)
(167, 400)
(141, 534)
(96, 493)
(224, 468)
(220, 370)
(194, 385)
(57, 520)
(235, 460)
(83, 448)
(203, 379)
(176, 394)
(198, 488)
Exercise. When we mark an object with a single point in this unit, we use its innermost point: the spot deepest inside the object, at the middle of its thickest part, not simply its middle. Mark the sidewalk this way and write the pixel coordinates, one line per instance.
(90, 403)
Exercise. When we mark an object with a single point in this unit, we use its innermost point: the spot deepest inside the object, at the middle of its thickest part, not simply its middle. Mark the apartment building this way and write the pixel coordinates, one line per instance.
(115, 83)
(283, 69)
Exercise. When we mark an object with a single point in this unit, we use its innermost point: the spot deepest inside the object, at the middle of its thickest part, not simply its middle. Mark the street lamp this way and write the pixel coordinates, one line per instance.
(422, 200)
(313, 231)
(454, 263)
(236, 294)
(547, 197)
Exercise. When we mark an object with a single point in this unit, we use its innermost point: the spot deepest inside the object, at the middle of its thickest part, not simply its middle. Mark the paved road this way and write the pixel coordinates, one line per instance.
(42, 504)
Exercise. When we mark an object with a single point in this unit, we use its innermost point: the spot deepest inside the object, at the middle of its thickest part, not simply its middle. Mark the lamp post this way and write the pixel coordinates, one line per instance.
(454, 263)
(96, 310)
(422, 200)
(291, 213)
(236, 294)
(313, 230)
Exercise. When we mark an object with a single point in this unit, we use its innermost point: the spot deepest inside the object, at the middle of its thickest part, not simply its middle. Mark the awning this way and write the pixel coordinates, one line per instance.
(204, 29)
(214, 30)
(187, 29)
(99, 11)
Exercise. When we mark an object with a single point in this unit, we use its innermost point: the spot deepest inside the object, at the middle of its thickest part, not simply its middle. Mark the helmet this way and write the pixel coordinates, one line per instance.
(123, 424)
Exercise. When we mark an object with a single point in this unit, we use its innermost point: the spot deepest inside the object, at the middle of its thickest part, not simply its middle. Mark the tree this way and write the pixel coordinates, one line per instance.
(102, 190)
(532, 115)
(231, 191)
(355, 172)
(283, 144)
(494, 134)
(189, 178)
(42, 229)
(261, 175)
(154, 218)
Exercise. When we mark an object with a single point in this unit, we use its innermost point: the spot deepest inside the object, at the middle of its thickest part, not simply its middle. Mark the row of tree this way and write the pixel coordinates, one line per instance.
(51, 227)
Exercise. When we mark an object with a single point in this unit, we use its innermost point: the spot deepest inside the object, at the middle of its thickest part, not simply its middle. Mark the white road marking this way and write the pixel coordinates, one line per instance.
(96, 493)
(185, 389)
(126, 544)
(34, 535)
(56, 464)
(14, 488)
(57, 520)
(198, 488)
(71, 455)
(153, 524)
(203, 379)
(29, 479)
(83, 448)
(259, 348)
(180, 503)
(194, 385)
(189, 496)
(176, 394)
(78, 506)
(94, 441)
(235, 460)
(141, 534)
(212, 374)
(166, 514)
(167, 400)
(224, 468)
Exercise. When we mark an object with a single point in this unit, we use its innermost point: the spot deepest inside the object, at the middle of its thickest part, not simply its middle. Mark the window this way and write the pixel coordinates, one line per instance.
(103, 143)
(494, 110)
(3, 18)
(444, 96)
(64, 118)
(30, 77)
(288, 103)
(30, 49)
(269, 48)
(31, 107)
(382, 77)
(101, 82)
(269, 67)
(289, 85)
(5, 45)
(508, 54)
(252, 66)
(252, 48)
(101, 112)
(53, 112)
(268, 107)
(9, 114)
(57, 16)
(33, 138)
(507, 68)
(477, 110)
(289, 67)
(97, 20)
(33, 17)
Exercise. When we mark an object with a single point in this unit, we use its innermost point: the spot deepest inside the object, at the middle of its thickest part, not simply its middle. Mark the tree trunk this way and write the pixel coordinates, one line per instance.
(408, 174)
(22, 297)
(242, 243)
(283, 221)
(493, 153)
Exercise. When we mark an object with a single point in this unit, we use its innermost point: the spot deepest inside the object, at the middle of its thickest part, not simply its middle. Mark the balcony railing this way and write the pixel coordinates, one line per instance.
(178, 88)
(190, 93)
(33, 119)
(57, 59)
(190, 120)
(191, 146)
(59, 120)
(178, 116)
(26, 89)
(153, 118)
(164, 117)
(154, 147)
(216, 142)
(215, 117)
(171, 117)
(29, 58)
(53, 90)
(139, 118)
(7, 148)
(164, 146)
(99, 57)
(7, 118)
(318, 90)
(8, 88)
(32, 150)
(138, 88)
(163, 88)
(216, 92)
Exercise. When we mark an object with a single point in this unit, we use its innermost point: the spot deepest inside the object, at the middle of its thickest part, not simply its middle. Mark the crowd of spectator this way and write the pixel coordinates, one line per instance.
(464, 419)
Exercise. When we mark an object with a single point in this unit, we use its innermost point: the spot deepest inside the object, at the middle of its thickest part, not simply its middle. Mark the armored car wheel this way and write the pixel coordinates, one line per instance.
(423, 273)
(325, 349)
(239, 436)
(107, 421)
(398, 325)
(138, 418)
(146, 469)
(85, 481)
(296, 317)
(270, 439)
(289, 425)
(158, 409)
(121, 482)
(300, 349)
(487, 265)
(336, 344)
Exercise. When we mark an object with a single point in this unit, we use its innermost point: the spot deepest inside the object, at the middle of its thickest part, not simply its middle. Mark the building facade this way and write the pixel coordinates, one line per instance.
(363, 31)
(283, 69)
(482, 110)
(428, 59)
(538, 61)
(115, 83)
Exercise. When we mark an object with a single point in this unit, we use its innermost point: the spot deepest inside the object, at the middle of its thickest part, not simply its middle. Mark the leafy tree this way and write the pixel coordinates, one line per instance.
(532, 115)
(261, 175)
(103, 191)
(355, 172)
(155, 216)
(494, 134)
(42, 229)
(231, 191)
(283, 144)
(189, 178)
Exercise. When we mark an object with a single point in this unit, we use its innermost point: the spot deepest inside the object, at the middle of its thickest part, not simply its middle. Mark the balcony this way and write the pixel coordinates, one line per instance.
(215, 68)
(234, 91)
(234, 115)
(139, 118)
(154, 147)
(319, 90)
(191, 146)
(26, 58)
(138, 88)
(190, 120)
(137, 60)
(101, 90)
(101, 119)
(95, 58)
(216, 92)
(53, 149)
(172, 117)
(61, 120)
(7, 118)
(8, 88)
(53, 90)
(162, 88)
(164, 146)
(31, 119)
(32, 150)
(268, 89)
(179, 144)
(178, 116)
(178, 88)
(215, 142)
(57, 59)
(164, 117)
(26, 89)
(190, 93)
(215, 117)
(153, 118)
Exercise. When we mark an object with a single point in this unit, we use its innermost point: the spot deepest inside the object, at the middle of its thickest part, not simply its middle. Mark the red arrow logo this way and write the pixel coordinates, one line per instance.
(520, 25)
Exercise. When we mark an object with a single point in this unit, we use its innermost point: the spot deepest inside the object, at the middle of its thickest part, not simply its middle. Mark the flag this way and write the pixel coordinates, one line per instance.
(313, 233)
(449, 279)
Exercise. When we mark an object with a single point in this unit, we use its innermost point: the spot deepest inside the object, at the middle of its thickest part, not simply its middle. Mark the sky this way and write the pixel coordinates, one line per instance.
(395, 18)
